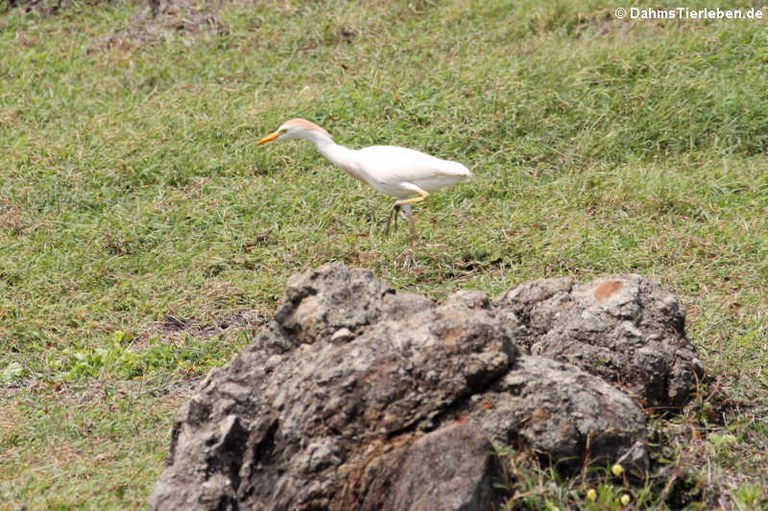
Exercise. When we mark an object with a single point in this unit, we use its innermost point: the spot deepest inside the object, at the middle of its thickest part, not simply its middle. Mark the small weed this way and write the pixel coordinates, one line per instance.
(536, 487)
(748, 497)
(12, 372)
(120, 361)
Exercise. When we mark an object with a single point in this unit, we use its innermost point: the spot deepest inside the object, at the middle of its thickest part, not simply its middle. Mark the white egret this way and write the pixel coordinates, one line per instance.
(408, 175)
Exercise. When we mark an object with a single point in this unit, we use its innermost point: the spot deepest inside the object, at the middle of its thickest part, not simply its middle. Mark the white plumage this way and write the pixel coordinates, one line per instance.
(405, 174)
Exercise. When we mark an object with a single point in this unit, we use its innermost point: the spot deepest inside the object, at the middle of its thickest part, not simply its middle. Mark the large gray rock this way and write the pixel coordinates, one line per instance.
(357, 397)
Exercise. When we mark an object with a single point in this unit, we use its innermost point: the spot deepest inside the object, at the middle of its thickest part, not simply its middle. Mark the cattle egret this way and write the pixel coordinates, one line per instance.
(408, 175)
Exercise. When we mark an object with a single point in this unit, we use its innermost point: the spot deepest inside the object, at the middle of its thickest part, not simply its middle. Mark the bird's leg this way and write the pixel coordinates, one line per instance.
(405, 206)
(413, 200)
(392, 213)
(408, 211)
(411, 229)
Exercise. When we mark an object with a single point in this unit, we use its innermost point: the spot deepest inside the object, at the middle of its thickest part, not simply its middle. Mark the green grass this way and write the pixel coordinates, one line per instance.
(131, 191)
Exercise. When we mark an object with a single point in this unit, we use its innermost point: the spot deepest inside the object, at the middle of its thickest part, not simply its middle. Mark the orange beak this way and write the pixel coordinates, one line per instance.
(269, 138)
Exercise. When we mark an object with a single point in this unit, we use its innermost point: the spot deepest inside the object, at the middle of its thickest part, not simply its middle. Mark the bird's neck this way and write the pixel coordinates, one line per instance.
(337, 154)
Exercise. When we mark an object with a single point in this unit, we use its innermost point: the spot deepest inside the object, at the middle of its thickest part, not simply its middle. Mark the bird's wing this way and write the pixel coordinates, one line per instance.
(400, 164)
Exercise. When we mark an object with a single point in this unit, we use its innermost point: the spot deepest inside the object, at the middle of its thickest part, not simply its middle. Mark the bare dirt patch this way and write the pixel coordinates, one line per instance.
(158, 20)
(11, 218)
(175, 330)
(154, 21)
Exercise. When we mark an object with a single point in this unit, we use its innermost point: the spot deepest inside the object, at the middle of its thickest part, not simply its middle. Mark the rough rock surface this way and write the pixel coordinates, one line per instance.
(357, 397)
(624, 329)
(560, 411)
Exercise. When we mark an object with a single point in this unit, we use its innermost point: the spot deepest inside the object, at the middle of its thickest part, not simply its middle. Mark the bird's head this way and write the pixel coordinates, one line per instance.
(295, 128)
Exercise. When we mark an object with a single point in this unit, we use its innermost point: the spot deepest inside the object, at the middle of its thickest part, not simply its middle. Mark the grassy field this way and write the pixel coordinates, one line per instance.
(144, 237)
